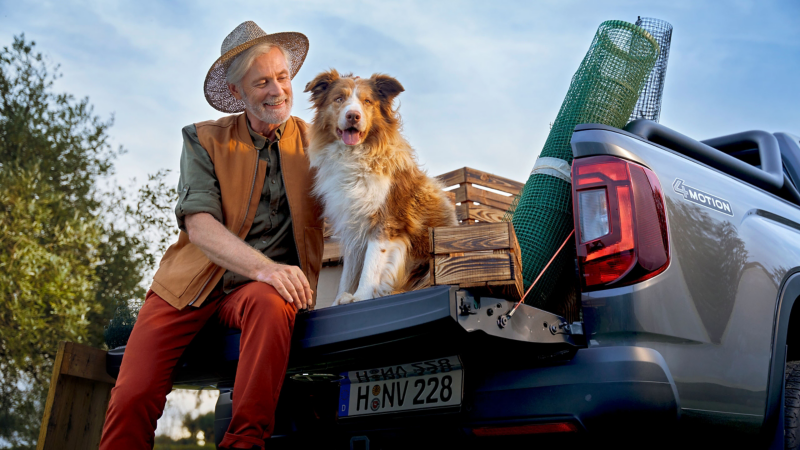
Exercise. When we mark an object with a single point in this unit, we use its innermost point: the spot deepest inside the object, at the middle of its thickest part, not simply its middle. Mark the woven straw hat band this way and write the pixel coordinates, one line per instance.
(246, 35)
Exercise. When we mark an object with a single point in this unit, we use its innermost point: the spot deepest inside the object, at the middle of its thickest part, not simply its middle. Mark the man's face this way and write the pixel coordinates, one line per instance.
(266, 88)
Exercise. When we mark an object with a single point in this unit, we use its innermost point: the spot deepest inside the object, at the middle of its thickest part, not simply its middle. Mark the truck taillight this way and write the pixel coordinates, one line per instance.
(620, 222)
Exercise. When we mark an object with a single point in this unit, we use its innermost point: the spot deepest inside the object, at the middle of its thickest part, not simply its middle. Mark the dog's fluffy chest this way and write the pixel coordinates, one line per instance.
(351, 193)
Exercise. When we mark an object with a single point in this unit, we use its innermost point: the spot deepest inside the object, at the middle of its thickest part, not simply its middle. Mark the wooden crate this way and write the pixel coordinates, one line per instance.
(474, 203)
(76, 404)
(477, 204)
(484, 257)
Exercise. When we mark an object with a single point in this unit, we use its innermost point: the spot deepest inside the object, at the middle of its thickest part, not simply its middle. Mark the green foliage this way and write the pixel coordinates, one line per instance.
(47, 271)
(203, 422)
(141, 232)
(70, 255)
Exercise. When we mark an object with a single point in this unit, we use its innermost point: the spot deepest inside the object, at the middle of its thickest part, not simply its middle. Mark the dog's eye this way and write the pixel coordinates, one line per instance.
(338, 99)
(368, 101)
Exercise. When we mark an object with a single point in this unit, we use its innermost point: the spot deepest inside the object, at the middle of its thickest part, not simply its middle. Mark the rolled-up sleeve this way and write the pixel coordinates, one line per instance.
(198, 187)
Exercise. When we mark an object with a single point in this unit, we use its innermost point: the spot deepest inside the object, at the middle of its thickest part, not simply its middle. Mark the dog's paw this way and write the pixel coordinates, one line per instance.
(345, 298)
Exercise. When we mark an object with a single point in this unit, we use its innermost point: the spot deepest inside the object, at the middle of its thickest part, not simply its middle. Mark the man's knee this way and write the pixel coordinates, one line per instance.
(264, 298)
(130, 396)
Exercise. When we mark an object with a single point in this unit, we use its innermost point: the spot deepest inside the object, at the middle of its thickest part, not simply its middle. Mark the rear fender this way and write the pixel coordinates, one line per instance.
(789, 293)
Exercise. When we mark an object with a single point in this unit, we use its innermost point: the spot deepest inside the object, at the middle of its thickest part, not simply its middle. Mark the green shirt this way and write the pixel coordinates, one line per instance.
(271, 232)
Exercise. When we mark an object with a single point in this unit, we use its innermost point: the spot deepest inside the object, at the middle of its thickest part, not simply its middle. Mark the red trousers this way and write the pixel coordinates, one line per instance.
(158, 339)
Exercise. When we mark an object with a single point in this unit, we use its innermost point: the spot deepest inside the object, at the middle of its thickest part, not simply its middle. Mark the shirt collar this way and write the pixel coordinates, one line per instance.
(260, 141)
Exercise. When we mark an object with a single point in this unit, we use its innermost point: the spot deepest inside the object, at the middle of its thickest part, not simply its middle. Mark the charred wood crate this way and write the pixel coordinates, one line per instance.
(484, 257)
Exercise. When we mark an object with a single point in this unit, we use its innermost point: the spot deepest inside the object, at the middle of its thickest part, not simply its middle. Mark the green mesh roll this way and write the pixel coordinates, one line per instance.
(603, 90)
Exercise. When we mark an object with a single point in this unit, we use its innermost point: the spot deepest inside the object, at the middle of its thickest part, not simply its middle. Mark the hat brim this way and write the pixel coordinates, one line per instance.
(216, 87)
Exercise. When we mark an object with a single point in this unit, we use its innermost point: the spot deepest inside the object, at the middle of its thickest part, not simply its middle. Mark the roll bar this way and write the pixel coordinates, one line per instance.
(716, 152)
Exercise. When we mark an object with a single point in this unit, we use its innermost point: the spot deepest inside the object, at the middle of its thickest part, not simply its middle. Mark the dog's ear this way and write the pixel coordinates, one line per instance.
(319, 85)
(386, 86)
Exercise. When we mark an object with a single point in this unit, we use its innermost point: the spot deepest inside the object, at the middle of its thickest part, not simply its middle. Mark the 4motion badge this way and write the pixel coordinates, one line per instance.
(702, 198)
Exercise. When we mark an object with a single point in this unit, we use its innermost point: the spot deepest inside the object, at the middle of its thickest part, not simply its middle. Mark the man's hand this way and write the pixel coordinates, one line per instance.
(232, 253)
(289, 281)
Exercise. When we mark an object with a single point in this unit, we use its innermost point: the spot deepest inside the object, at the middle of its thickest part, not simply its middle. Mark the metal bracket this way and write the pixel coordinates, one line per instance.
(467, 304)
(575, 328)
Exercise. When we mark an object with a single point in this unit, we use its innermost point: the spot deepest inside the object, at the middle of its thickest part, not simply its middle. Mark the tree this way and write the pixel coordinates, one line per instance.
(200, 432)
(46, 283)
(70, 254)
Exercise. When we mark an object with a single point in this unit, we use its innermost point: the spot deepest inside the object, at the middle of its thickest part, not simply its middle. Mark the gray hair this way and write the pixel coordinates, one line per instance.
(241, 64)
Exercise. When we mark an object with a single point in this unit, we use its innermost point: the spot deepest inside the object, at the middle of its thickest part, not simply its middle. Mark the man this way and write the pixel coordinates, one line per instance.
(249, 251)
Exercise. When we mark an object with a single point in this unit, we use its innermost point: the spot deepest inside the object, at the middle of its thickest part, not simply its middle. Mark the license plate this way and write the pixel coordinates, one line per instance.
(435, 383)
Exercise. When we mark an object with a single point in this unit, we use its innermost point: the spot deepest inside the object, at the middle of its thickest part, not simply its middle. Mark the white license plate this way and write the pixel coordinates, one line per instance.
(435, 383)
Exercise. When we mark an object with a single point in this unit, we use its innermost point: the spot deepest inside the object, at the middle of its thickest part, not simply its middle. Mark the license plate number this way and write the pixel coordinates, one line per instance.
(435, 383)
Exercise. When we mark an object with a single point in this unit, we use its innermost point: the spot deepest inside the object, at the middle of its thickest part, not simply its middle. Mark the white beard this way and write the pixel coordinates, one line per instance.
(271, 116)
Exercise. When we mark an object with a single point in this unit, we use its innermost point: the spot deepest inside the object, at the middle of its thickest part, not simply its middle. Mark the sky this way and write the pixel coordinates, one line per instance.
(483, 79)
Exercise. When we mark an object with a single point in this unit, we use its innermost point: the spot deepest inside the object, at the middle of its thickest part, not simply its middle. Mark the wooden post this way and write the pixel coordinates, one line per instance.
(77, 400)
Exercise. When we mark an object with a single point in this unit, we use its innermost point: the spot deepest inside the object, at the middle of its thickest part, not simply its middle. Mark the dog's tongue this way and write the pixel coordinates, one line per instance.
(350, 137)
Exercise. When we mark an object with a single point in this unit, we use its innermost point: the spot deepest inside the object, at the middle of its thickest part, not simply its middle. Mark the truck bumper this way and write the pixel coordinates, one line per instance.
(602, 391)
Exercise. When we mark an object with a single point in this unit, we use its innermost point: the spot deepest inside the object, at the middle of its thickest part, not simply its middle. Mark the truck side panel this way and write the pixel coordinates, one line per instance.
(711, 313)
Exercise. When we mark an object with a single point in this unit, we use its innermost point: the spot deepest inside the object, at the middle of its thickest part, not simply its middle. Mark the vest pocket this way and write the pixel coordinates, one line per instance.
(188, 267)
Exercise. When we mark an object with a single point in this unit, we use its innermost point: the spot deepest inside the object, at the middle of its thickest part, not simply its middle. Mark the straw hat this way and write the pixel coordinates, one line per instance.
(241, 38)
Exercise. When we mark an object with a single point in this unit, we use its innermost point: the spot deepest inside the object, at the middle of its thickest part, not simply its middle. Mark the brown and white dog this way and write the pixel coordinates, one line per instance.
(377, 199)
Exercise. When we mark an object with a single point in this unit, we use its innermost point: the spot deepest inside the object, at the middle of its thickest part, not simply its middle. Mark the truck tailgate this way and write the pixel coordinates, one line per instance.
(408, 327)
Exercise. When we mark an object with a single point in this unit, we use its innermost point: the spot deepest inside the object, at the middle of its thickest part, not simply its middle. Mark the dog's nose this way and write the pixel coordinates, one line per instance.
(353, 116)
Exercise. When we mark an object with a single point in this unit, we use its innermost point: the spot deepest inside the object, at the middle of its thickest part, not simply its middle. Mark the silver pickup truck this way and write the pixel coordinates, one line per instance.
(687, 258)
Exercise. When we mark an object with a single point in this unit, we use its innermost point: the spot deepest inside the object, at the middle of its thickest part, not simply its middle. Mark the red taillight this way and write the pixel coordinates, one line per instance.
(620, 222)
(536, 428)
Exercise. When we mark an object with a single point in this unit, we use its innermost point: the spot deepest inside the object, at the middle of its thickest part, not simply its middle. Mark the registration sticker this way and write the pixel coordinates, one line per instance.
(435, 383)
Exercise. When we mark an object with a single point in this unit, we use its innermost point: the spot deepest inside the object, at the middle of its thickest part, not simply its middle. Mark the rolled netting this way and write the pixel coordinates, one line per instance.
(649, 104)
(603, 90)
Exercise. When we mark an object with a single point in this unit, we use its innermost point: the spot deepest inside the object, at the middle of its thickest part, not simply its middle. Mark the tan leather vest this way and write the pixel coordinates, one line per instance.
(185, 275)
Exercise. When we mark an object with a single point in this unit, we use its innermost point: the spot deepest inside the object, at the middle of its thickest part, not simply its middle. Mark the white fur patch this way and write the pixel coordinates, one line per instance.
(353, 103)
(384, 265)
(351, 193)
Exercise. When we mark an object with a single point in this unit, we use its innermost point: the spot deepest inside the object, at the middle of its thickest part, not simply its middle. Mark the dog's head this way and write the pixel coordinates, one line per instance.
(352, 109)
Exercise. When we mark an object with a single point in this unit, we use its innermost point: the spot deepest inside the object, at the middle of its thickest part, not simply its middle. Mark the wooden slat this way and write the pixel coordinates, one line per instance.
(515, 250)
(480, 237)
(470, 193)
(470, 211)
(451, 195)
(86, 362)
(453, 178)
(48, 421)
(480, 284)
(462, 211)
(327, 230)
(332, 251)
(472, 268)
(492, 181)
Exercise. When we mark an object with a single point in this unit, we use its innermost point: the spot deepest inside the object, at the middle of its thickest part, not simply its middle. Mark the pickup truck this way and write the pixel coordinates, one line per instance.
(687, 263)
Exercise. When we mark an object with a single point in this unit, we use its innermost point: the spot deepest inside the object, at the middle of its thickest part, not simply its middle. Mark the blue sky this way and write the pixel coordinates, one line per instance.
(483, 79)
